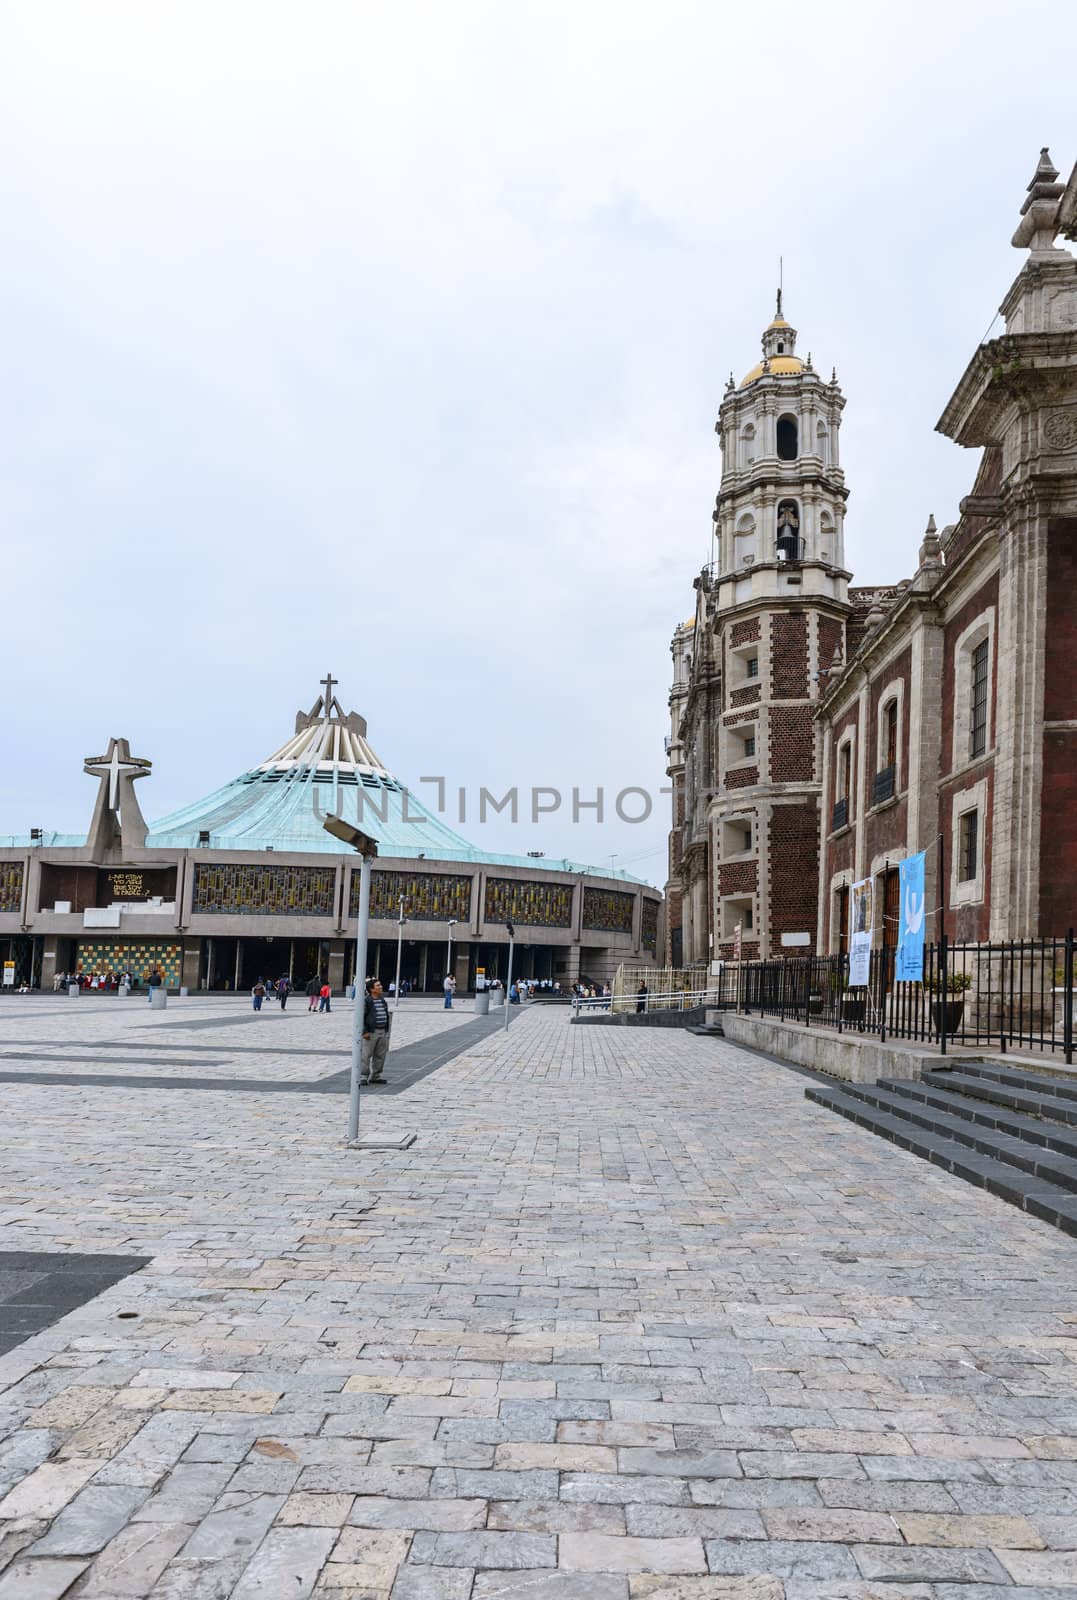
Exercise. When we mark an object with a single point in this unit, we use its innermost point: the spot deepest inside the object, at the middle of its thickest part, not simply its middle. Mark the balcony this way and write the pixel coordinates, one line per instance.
(841, 815)
(883, 785)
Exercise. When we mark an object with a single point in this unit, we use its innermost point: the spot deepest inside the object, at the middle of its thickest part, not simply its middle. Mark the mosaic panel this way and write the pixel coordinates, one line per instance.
(428, 896)
(649, 929)
(532, 905)
(608, 909)
(224, 886)
(10, 885)
(141, 955)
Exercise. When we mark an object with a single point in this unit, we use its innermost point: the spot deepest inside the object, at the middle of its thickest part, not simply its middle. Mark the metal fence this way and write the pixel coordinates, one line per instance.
(997, 996)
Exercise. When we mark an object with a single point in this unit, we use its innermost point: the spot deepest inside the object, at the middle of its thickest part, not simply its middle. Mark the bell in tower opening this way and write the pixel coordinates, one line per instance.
(788, 544)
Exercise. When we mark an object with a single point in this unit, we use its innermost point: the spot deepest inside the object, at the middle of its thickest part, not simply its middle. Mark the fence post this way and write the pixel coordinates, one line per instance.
(943, 993)
(1067, 1000)
(882, 992)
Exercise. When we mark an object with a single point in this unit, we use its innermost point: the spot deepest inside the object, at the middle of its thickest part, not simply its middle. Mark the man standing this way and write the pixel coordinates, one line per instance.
(449, 986)
(154, 981)
(313, 987)
(284, 989)
(377, 1025)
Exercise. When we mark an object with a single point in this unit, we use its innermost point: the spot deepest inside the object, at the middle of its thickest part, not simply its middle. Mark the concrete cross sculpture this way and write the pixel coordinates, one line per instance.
(117, 819)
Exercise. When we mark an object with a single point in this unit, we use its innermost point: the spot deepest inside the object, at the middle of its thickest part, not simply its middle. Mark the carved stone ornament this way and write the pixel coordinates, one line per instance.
(1060, 429)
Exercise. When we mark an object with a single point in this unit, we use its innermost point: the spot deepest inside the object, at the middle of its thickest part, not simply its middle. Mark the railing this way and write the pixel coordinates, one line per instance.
(721, 991)
(840, 818)
(882, 787)
(994, 996)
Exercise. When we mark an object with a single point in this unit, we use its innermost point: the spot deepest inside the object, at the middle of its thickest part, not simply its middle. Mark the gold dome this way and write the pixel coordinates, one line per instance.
(780, 367)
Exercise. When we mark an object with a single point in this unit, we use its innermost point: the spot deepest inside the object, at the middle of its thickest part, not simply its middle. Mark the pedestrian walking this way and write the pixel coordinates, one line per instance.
(325, 994)
(377, 1026)
(284, 989)
(641, 997)
(314, 986)
(258, 994)
(450, 988)
(154, 981)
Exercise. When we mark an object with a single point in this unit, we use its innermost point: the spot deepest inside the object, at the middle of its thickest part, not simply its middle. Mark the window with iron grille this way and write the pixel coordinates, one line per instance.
(968, 848)
(978, 721)
(891, 734)
(749, 746)
(753, 666)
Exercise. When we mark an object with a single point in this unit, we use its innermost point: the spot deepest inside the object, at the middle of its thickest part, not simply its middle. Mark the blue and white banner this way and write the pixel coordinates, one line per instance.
(909, 966)
(860, 925)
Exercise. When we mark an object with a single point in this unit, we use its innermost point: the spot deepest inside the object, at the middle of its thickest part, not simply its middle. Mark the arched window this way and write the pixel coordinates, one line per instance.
(787, 438)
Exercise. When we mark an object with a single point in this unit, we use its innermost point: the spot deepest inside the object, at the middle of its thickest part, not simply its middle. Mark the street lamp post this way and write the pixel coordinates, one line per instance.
(400, 921)
(508, 986)
(368, 849)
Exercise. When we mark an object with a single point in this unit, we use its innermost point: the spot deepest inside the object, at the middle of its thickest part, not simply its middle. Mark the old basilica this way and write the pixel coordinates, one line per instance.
(821, 732)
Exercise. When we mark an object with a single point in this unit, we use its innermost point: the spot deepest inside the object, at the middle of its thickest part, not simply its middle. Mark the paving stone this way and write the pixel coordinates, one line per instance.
(905, 1564)
(889, 1497)
(781, 1558)
(233, 1530)
(731, 1588)
(47, 1489)
(706, 1522)
(45, 1579)
(826, 1524)
(287, 1562)
(556, 1457)
(131, 1563)
(683, 1463)
(601, 1552)
(437, 1516)
(501, 1550)
(611, 1489)
(549, 1586)
(1015, 1533)
(1040, 1568)
(89, 1521)
(434, 1583)
(553, 1516)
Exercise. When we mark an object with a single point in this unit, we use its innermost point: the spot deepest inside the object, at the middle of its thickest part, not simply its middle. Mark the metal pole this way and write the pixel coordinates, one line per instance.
(1067, 999)
(399, 953)
(508, 985)
(360, 995)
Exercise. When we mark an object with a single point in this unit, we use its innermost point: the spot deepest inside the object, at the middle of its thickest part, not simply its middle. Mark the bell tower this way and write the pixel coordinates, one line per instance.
(777, 600)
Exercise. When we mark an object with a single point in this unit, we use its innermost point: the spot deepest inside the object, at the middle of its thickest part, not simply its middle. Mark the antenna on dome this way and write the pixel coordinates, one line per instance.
(778, 312)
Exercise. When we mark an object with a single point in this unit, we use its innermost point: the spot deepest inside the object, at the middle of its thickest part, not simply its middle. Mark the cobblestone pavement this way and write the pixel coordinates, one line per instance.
(631, 1318)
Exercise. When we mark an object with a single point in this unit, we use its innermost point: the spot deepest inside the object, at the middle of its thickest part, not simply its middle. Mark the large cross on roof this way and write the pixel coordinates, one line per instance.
(329, 683)
(119, 762)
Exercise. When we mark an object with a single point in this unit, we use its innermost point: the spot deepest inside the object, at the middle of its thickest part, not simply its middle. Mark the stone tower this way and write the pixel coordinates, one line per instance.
(776, 603)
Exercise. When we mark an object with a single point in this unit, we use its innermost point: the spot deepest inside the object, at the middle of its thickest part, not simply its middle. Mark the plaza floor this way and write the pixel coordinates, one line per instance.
(630, 1318)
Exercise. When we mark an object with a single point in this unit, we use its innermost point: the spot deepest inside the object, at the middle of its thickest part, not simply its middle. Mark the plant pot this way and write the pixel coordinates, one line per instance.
(815, 1005)
(852, 1010)
(953, 1010)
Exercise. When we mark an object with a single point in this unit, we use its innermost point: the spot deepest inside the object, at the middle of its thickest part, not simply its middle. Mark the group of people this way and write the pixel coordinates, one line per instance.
(319, 994)
(105, 982)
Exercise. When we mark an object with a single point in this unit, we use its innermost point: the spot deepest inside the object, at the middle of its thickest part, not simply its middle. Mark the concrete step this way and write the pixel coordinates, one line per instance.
(1034, 1102)
(1034, 1130)
(1025, 1190)
(1022, 1078)
(999, 1142)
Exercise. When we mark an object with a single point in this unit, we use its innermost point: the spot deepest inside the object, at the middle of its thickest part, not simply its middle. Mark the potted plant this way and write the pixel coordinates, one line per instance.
(948, 1004)
(852, 1001)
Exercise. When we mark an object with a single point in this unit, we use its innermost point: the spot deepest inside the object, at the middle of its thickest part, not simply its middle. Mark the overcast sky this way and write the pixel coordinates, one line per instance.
(390, 339)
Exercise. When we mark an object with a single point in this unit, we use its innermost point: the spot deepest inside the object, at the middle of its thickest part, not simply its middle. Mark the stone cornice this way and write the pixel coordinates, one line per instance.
(1018, 367)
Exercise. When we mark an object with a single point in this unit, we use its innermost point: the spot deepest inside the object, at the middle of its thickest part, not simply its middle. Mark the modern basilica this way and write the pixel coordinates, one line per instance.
(247, 883)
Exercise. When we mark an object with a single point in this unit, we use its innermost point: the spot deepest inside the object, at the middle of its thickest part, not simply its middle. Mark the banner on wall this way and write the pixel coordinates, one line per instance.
(909, 963)
(860, 926)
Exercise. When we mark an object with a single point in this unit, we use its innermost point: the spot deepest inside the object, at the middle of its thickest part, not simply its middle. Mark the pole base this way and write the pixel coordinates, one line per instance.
(404, 1142)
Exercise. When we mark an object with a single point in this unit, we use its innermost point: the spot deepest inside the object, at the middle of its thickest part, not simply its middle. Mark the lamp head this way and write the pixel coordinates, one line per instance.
(349, 834)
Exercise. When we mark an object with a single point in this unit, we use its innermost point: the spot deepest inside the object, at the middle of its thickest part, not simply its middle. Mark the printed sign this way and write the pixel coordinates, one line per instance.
(909, 962)
(860, 926)
(9, 974)
(736, 942)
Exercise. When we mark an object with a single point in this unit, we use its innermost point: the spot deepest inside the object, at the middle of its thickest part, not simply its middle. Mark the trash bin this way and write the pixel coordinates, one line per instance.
(125, 988)
(482, 1003)
(158, 998)
(72, 991)
(498, 997)
(184, 993)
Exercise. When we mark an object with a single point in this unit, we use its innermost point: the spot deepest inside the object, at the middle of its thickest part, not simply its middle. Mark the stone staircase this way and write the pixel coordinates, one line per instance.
(1011, 1132)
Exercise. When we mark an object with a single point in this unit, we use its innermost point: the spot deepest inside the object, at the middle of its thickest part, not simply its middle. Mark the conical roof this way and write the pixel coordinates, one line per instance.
(326, 766)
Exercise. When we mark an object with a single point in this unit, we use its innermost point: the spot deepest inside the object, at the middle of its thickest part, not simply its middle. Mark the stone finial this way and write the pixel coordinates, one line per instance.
(730, 383)
(1039, 222)
(876, 615)
(834, 375)
(930, 545)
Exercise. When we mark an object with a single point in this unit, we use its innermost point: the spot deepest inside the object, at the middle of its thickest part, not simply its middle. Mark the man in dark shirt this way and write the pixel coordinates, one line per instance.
(377, 1023)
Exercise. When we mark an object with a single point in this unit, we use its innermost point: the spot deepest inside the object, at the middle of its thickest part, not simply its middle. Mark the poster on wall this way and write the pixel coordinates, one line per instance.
(909, 962)
(860, 926)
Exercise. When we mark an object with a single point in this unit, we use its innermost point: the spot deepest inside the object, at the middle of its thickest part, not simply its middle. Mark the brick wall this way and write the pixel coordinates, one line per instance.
(738, 877)
(745, 632)
(742, 777)
(793, 847)
(831, 634)
(984, 599)
(792, 744)
(789, 656)
(1058, 815)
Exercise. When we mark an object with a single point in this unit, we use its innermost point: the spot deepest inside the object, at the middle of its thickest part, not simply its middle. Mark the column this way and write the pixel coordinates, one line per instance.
(336, 965)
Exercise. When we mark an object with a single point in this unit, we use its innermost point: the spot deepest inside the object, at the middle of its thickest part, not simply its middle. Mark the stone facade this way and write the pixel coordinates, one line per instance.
(938, 714)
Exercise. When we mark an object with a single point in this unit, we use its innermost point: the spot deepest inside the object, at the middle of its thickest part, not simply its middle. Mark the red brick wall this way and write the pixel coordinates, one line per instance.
(747, 695)
(831, 633)
(745, 632)
(793, 847)
(741, 777)
(968, 924)
(789, 656)
(792, 744)
(1058, 815)
(738, 877)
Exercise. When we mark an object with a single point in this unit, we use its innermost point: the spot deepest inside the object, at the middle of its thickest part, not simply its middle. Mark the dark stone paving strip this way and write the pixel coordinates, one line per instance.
(406, 1067)
(107, 1055)
(38, 1287)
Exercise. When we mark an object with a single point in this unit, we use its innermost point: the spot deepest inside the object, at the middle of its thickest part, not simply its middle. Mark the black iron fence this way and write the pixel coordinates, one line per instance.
(997, 996)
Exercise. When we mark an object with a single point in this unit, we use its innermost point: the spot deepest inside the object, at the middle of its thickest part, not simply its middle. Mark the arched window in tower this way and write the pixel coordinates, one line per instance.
(787, 438)
(788, 542)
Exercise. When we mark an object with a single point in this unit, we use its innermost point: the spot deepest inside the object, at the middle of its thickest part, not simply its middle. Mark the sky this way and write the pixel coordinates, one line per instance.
(390, 341)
